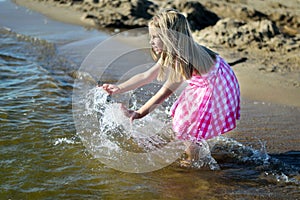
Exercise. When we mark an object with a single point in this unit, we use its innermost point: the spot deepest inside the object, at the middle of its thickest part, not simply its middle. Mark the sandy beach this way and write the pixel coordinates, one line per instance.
(269, 77)
(57, 144)
(257, 82)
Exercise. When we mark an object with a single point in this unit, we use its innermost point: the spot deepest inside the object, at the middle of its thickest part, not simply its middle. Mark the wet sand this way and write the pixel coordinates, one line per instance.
(271, 105)
(267, 125)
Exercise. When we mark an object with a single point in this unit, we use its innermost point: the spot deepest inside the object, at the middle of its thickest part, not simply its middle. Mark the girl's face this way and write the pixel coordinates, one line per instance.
(155, 41)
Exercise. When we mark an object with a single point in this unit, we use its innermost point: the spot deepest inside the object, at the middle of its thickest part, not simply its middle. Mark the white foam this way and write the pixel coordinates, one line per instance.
(65, 140)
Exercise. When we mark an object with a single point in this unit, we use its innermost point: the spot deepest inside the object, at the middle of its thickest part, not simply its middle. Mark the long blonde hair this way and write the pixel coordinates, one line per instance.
(181, 55)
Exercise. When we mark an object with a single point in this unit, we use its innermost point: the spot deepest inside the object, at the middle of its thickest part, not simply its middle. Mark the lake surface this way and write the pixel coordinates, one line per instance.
(43, 155)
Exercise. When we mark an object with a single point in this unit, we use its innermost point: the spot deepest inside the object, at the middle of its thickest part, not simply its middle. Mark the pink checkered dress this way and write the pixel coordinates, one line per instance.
(209, 105)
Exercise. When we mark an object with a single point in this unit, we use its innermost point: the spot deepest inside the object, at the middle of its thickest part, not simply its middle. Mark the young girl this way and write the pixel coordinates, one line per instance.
(209, 105)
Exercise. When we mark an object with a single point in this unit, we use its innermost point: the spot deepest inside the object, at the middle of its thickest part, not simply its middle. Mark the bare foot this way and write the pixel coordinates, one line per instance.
(185, 163)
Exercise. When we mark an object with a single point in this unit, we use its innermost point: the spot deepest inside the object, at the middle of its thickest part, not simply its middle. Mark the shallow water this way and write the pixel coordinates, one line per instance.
(44, 157)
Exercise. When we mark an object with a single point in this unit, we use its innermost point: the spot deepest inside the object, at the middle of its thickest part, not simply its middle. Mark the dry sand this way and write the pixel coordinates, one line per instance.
(271, 101)
(58, 13)
(279, 88)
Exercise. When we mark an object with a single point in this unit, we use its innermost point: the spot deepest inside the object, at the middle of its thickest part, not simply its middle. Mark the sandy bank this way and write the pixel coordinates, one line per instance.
(59, 13)
(269, 81)
(256, 80)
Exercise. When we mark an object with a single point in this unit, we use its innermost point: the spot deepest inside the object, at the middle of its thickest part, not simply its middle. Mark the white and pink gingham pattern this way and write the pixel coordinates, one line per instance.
(209, 105)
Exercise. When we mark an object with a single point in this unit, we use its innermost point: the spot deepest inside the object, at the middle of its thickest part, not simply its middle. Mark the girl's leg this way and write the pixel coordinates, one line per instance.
(199, 155)
(191, 152)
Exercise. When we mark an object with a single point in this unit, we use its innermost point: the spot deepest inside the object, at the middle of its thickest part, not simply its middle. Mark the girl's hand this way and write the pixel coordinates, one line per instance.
(131, 114)
(111, 89)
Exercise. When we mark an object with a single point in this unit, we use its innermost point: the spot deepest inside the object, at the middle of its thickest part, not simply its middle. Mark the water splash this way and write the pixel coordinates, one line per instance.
(205, 158)
(64, 140)
(147, 144)
(227, 150)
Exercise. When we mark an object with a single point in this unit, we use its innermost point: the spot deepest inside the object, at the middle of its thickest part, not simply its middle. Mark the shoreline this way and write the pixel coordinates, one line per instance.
(255, 85)
(56, 144)
(62, 14)
(266, 95)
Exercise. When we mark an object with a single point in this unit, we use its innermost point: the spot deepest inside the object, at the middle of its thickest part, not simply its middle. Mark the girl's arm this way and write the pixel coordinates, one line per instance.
(165, 91)
(134, 82)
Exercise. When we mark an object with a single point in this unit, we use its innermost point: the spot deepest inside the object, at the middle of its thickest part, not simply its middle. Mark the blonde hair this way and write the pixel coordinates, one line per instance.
(181, 55)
